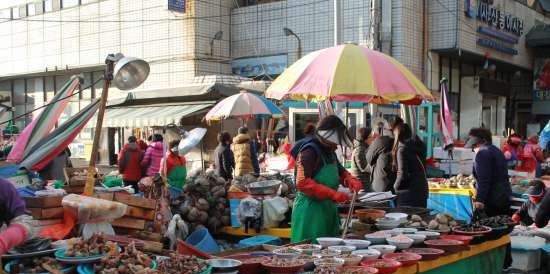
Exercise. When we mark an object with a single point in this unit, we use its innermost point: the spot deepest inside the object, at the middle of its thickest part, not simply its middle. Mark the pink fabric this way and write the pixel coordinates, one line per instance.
(318, 76)
(152, 158)
(387, 76)
(13, 236)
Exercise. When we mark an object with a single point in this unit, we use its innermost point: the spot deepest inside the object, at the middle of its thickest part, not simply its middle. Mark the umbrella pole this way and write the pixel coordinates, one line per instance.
(347, 125)
(90, 180)
(202, 156)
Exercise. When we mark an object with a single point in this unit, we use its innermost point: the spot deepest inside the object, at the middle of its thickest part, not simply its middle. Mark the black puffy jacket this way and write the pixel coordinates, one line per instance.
(379, 162)
(411, 184)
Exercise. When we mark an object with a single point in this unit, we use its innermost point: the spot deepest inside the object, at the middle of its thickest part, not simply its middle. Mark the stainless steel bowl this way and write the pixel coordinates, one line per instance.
(264, 187)
(224, 265)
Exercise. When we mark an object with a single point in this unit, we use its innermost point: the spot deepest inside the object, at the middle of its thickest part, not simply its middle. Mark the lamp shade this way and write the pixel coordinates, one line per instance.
(129, 73)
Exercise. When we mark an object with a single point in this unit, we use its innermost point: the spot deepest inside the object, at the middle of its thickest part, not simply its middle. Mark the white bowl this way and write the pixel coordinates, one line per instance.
(377, 238)
(351, 259)
(430, 235)
(327, 241)
(329, 262)
(368, 253)
(344, 249)
(287, 255)
(404, 230)
(326, 253)
(401, 243)
(391, 232)
(383, 226)
(384, 249)
(417, 238)
(359, 244)
(397, 216)
(308, 248)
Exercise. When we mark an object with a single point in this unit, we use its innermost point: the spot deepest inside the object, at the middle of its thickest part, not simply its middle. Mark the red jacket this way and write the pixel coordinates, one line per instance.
(172, 160)
(129, 160)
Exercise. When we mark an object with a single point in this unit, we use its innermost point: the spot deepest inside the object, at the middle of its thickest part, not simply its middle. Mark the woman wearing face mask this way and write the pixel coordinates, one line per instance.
(318, 175)
(176, 170)
(512, 150)
(537, 209)
(409, 154)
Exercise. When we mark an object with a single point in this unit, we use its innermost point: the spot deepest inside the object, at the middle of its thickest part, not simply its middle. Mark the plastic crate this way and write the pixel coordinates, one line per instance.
(233, 207)
(260, 240)
(526, 260)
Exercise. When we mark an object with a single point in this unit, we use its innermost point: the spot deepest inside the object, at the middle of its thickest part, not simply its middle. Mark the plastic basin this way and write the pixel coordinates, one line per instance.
(202, 240)
(406, 259)
(384, 266)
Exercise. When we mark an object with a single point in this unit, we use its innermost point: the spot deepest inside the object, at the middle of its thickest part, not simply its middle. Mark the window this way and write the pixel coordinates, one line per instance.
(15, 13)
(31, 9)
(87, 1)
(69, 3)
(48, 5)
(5, 15)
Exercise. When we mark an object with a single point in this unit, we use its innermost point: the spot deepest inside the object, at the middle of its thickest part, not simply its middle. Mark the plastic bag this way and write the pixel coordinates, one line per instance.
(249, 208)
(274, 211)
(177, 230)
(112, 181)
(527, 243)
(191, 140)
(544, 136)
(95, 214)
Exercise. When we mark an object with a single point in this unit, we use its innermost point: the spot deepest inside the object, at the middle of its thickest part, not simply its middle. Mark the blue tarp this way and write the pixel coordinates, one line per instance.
(459, 206)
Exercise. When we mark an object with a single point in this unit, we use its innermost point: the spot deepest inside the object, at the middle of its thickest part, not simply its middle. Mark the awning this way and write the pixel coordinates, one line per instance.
(151, 115)
(538, 36)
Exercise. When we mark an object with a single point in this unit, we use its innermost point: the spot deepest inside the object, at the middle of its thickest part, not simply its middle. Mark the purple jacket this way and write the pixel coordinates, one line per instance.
(11, 204)
(152, 158)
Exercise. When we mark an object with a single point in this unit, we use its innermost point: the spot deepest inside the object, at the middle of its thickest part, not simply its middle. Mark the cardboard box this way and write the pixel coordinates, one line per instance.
(105, 195)
(135, 201)
(46, 213)
(127, 222)
(43, 202)
(75, 180)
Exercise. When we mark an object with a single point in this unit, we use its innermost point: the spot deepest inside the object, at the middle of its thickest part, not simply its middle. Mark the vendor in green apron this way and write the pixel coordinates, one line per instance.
(318, 174)
(176, 169)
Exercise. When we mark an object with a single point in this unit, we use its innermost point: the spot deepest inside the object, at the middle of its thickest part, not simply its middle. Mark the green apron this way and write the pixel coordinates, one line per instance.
(177, 177)
(313, 218)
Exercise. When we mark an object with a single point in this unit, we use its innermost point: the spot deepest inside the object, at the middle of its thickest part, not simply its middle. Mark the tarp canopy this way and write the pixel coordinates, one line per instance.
(538, 36)
(152, 115)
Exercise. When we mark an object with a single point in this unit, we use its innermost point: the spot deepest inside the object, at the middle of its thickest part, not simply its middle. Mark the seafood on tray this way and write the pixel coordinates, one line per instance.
(131, 261)
(182, 264)
(95, 245)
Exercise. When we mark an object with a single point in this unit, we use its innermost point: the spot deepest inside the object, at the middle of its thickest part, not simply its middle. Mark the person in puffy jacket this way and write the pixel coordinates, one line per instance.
(153, 156)
(13, 215)
(176, 169)
(379, 159)
(409, 154)
(512, 151)
(359, 165)
(129, 163)
(533, 157)
(244, 150)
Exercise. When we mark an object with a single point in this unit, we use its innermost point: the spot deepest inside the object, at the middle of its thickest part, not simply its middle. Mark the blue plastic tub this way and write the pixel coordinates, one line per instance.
(260, 240)
(233, 206)
(202, 240)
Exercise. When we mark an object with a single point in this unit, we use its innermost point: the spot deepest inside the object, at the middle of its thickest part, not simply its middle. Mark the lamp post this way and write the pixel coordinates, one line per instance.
(125, 73)
(289, 32)
(217, 36)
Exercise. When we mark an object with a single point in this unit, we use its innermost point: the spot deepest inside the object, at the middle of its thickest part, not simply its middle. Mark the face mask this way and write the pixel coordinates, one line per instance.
(535, 199)
(333, 136)
(174, 150)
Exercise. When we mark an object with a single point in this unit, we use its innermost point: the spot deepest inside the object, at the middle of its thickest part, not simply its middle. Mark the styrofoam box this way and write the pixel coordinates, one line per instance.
(526, 260)
(459, 154)
(451, 167)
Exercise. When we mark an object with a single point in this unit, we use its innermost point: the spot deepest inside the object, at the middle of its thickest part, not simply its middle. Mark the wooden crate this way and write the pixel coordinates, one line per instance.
(43, 202)
(105, 195)
(140, 213)
(71, 180)
(131, 223)
(140, 234)
(135, 201)
(46, 213)
(74, 189)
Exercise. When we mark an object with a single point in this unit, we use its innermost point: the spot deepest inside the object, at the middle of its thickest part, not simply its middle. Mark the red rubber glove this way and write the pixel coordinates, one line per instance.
(13, 236)
(350, 181)
(311, 188)
(516, 218)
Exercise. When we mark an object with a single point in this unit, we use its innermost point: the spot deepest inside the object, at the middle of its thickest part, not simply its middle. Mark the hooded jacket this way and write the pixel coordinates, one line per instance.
(151, 159)
(359, 164)
(129, 162)
(379, 159)
(224, 161)
(245, 155)
(492, 182)
(411, 184)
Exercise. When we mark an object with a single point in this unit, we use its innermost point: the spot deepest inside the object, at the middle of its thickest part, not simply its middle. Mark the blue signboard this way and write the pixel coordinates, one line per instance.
(255, 66)
(496, 46)
(176, 5)
(498, 35)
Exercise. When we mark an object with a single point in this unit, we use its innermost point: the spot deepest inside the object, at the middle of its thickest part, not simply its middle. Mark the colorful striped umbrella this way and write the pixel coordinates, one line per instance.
(244, 105)
(349, 73)
(44, 122)
(44, 151)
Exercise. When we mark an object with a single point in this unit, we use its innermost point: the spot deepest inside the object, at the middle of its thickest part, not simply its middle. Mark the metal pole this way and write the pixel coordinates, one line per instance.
(90, 180)
(337, 22)
(299, 53)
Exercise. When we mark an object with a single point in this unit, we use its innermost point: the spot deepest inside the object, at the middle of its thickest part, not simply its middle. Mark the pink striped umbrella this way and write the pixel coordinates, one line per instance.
(349, 73)
(244, 105)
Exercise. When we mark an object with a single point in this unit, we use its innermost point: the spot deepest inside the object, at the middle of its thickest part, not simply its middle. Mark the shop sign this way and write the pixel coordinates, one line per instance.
(496, 46)
(257, 66)
(176, 5)
(498, 35)
(492, 16)
(541, 79)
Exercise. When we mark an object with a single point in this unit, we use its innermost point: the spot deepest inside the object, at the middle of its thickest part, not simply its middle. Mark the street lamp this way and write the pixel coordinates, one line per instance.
(125, 73)
(289, 32)
(217, 36)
